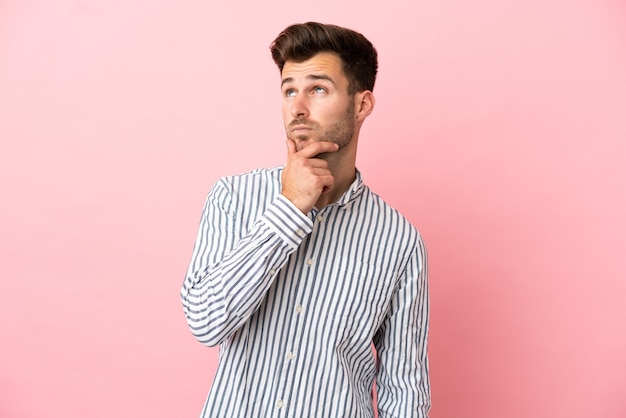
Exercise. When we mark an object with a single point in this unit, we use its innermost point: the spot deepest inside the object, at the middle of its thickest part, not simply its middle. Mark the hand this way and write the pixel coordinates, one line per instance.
(305, 177)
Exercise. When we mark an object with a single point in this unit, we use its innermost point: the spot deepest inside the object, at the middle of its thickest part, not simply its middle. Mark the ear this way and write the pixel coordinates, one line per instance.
(364, 102)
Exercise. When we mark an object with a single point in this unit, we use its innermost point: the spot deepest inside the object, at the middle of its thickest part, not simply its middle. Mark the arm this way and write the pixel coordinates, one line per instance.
(403, 385)
(230, 269)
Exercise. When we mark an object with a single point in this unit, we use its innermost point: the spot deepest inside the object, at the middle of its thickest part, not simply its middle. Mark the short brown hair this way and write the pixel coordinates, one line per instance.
(301, 42)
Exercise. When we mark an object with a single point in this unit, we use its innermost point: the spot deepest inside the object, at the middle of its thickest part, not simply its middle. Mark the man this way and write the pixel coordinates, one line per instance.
(297, 270)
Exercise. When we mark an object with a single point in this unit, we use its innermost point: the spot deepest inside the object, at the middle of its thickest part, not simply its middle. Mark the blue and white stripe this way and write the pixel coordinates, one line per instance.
(295, 302)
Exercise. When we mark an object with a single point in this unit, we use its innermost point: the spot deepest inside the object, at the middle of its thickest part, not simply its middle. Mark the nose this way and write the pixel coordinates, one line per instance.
(299, 106)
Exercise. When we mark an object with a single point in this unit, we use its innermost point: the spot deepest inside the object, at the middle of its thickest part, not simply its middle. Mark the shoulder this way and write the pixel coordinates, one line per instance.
(393, 220)
(260, 178)
(388, 212)
(247, 190)
(256, 175)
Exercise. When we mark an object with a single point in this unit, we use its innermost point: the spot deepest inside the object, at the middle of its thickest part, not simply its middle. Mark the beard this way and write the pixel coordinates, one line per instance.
(340, 133)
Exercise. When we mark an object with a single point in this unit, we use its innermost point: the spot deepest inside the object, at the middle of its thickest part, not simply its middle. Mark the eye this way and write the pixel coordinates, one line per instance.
(319, 90)
(290, 93)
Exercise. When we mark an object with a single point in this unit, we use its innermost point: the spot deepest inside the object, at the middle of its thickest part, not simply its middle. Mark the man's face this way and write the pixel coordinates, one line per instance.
(316, 103)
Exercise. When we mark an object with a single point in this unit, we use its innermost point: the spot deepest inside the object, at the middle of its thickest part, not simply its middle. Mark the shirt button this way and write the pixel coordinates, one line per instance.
(320, 218)
(280, 404)
(299, 309)
(272, 271)
(300, 233)
(309, 261)
(290, 356)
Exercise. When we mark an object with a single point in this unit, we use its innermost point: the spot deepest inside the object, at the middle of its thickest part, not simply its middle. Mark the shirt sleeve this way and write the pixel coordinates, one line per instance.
(403, 386)
(231, 269)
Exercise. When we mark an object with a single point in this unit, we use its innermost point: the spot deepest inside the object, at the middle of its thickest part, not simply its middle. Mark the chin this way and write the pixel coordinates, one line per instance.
(302, 141)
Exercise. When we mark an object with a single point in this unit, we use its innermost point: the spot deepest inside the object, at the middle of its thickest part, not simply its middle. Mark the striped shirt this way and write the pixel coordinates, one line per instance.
(297, 304)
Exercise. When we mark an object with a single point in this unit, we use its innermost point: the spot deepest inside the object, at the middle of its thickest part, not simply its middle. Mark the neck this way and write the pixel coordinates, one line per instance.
(341, 186)
(342, 165)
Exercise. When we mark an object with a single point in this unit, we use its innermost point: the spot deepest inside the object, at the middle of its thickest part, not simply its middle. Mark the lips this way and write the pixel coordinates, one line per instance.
(301, 124)
(300, 128)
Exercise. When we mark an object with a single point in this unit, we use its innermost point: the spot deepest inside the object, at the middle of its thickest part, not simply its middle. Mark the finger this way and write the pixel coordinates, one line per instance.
(316, 148)
(291, 148)
(328, 182)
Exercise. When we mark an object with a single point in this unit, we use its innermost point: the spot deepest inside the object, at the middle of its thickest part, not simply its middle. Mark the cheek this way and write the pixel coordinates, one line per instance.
(332, 111)
(285, 112)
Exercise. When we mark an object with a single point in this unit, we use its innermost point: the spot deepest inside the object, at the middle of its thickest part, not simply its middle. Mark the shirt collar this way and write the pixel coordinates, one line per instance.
(354, 191)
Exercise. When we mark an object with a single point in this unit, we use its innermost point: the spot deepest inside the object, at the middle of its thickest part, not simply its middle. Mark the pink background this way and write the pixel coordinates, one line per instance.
(500, 131)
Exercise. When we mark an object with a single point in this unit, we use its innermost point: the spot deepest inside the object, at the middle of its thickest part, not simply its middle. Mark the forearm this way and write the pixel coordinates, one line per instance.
(229, 276)
(220, 297)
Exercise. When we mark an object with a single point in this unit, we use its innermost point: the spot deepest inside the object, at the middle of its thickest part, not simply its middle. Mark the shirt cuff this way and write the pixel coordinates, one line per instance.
(287, 221)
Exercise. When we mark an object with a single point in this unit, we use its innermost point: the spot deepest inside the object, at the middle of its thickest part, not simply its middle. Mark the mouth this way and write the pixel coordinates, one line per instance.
(300, 128)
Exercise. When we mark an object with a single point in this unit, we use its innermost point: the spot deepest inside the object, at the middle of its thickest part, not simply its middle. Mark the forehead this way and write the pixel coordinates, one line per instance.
(322, 64)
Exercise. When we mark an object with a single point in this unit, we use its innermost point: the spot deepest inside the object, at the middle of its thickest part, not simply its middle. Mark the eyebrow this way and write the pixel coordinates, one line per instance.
(309, 77)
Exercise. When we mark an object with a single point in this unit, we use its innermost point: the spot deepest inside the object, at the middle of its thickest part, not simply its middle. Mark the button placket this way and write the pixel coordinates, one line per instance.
(295, 339)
